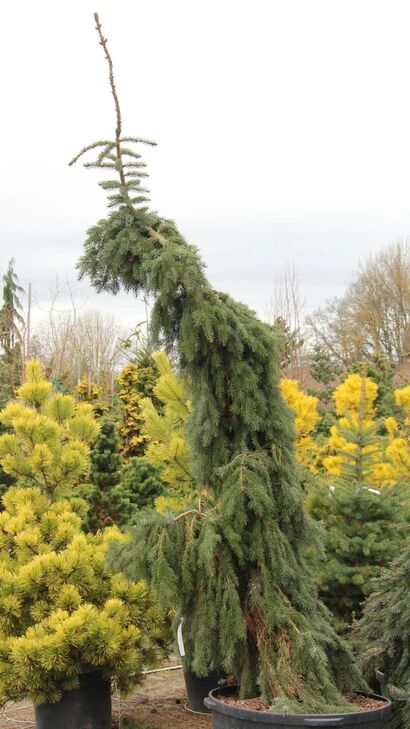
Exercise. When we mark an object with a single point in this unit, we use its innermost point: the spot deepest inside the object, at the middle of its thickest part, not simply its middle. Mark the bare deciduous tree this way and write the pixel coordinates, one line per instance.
(374, 314)
(97, 337)
(285, 312)
(72, 345)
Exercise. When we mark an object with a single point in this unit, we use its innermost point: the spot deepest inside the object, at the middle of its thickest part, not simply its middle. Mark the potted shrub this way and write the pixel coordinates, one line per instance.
(68, 625)
(233, 563)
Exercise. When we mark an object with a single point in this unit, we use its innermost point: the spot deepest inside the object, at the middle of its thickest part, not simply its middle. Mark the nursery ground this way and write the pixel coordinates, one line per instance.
(158, 704)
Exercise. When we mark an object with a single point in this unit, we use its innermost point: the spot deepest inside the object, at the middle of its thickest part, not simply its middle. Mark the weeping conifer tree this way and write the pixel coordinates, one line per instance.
(233, 563)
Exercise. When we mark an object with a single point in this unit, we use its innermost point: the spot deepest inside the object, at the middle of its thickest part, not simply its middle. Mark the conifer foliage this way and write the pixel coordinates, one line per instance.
(118, 490)
(12, 327)
(365, 530)
(304, 407)
(50, 436)
(11, 318)
(365, 526)
(134, 382)
(164, 424)
(61, 609)
(382, 635)
(105, 459)
(140, 486)
(105, 470)
(89, 392)
(233, 565)
(398, 449)
(325, 371)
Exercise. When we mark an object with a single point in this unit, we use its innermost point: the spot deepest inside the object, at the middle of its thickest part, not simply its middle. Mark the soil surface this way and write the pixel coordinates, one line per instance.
(251, 704)
(158, 704)
(363, 703)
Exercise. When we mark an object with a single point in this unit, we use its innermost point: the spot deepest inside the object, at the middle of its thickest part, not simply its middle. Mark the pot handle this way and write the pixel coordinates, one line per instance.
(209, 702)
(323, 721)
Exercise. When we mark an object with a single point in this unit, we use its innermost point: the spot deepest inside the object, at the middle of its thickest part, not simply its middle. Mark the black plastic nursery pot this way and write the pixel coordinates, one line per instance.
(226, 716)
(87, 707)
(197, 689)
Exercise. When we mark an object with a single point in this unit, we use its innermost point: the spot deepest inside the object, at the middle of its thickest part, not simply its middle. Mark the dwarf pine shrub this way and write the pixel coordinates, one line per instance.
(61, 609)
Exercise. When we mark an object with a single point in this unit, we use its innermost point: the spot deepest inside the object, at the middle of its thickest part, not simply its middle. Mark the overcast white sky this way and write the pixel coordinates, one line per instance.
(283, 130)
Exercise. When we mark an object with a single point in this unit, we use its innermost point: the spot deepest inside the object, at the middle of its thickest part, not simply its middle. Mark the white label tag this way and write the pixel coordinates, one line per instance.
(180, 640)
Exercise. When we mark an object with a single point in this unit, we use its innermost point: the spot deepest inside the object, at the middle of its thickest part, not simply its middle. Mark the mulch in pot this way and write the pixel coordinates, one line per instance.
(363, 703)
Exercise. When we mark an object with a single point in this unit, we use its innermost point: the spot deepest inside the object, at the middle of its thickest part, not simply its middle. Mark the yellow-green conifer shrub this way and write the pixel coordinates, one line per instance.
(93, 394)
(306, 414)
(61, 609)
(165, 432)
(387, 457)
(397, 462)
(130, 427)
(354, 439)
(364, 525)
(50, 436)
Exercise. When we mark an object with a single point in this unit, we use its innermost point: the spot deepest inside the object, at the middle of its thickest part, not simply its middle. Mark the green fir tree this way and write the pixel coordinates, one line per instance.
(382, 371)
(118, 491)
(364, 531)
(105, 468)
(105, 458)
(11, 335)
(326, 372)
(290, 342)
(140, 485)
(233, 564)
(364, 526)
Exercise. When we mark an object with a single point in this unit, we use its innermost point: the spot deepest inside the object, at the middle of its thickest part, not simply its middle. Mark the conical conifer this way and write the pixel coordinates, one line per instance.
(135, 382)
(365, 526)
(364, 530)
(48, 436)
(138, 489)
(105, 458)
(11, 335)
(105, 470)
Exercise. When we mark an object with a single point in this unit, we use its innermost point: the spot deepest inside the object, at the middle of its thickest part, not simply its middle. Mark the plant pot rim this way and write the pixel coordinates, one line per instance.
(269, 717)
